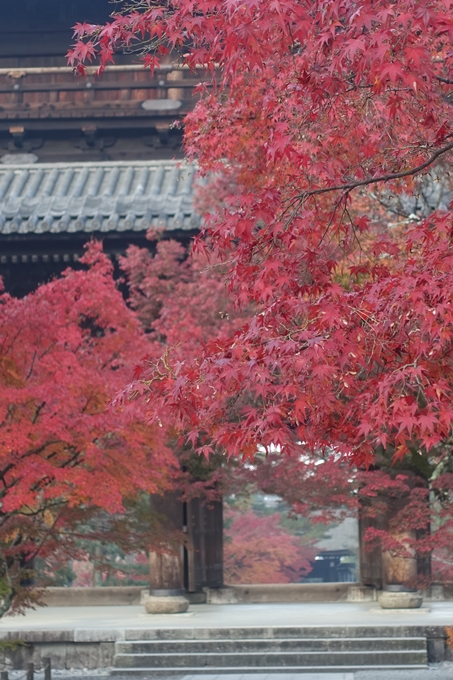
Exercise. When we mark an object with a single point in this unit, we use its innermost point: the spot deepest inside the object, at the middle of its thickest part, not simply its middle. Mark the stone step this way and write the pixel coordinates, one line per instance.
(266, 633)
(242, 670)
(283, 649)
(270, 645)
(279, 659)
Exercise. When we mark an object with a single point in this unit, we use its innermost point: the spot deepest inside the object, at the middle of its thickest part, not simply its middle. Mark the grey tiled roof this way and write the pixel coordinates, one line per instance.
(101, 197)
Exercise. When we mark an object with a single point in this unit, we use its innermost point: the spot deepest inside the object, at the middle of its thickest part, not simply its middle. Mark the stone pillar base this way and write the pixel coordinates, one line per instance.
(170, 604)
(401, 600)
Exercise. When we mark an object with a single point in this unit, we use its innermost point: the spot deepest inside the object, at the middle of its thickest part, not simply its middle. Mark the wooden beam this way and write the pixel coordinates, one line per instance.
(85, 110)
(15, 72)
(82, 86)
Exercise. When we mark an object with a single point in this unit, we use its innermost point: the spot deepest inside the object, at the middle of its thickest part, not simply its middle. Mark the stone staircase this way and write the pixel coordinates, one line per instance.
(269, 650)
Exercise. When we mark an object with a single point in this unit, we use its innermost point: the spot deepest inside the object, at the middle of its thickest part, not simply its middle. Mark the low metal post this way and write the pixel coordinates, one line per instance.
(30, 671)
(47, 668)
(4, 675)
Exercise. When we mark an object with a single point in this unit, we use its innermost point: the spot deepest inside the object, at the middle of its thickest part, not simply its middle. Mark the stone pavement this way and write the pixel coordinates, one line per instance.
(120, 618)
(443, 672)
(438, 672)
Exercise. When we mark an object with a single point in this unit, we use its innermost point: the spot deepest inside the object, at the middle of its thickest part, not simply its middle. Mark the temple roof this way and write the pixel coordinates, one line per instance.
(96, 197)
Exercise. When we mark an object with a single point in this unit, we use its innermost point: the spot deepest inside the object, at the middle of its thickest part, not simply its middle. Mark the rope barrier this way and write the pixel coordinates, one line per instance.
(30, 672)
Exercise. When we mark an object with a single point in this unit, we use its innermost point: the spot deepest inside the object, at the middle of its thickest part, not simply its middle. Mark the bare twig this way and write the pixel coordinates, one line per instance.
(349, 186)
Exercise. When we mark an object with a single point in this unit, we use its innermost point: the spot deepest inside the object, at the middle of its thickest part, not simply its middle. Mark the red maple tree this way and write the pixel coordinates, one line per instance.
(350, 344)
(258, 550)
(181, 300)
(64, 351)
(183, 304)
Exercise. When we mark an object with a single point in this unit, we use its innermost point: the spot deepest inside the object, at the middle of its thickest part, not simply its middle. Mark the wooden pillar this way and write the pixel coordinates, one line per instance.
(381, 568)
(205, 544)
(197, 564)
(400, 570)
(370, 561)
(166, 565)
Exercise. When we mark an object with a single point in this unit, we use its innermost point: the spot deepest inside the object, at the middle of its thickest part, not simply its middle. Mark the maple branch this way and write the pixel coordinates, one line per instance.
(329, 224)
(447, 81)
(3, 474)
(40, 449)
(354, 233)
(27, 510)
(11, 344)
(74, 460)
(9, 412)
(37, 412)
(349, 186)
(31, 365)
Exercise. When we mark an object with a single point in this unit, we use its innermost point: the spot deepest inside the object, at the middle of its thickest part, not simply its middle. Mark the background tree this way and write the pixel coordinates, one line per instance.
(181, 300)
(259, 550)
(184, 305)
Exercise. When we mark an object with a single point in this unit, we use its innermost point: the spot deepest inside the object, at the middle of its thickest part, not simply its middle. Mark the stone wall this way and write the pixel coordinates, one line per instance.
(66, 648)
